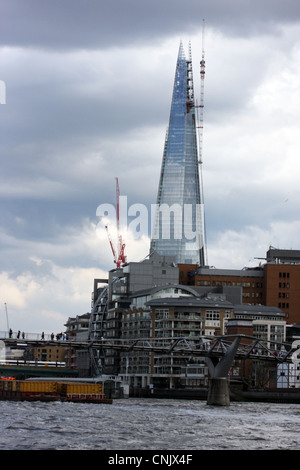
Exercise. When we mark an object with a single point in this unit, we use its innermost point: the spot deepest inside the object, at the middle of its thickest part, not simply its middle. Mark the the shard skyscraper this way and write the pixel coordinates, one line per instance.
(179, 219)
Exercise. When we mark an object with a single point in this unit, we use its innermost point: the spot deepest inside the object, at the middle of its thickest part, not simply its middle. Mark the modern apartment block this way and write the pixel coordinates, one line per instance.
(77, 329)
(268, 323)
(269, 326)
(166, 313)
(113, 296)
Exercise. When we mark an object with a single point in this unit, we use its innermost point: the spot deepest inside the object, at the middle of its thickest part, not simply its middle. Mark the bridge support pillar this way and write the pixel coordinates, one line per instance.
(218, 392)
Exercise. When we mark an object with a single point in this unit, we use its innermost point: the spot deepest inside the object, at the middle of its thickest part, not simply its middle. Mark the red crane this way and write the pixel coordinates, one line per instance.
(119, 255)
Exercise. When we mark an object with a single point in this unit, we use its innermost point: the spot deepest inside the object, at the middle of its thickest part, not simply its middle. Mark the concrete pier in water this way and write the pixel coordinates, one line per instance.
(218, 392)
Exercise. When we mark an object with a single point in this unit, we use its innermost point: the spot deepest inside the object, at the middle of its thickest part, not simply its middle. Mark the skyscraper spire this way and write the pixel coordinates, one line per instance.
(179, 221)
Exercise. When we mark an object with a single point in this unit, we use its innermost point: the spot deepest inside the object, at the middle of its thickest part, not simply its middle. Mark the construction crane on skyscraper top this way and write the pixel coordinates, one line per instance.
(200, 127)
(202, 76)
(119, 254)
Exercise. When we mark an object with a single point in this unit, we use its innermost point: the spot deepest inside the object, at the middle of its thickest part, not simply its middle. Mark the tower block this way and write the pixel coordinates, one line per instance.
(179, 220)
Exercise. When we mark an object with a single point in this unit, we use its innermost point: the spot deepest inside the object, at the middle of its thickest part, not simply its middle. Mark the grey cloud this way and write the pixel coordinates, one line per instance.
(99, 23)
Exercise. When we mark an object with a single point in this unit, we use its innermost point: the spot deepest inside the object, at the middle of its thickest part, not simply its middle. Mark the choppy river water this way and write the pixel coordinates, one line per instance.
(153, 424)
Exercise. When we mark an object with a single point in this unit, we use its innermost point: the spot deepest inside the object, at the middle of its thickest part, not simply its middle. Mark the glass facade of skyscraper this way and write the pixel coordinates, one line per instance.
(179, 220)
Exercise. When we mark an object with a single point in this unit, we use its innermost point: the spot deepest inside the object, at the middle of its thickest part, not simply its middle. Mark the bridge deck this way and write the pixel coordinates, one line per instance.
(204, 346)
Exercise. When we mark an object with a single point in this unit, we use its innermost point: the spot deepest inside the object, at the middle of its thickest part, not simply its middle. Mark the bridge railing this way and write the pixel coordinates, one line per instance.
(22, 363)
(32, 336)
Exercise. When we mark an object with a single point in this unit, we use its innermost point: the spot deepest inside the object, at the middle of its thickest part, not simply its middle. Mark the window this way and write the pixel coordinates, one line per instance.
(284, 275)
(212, 315)
(203, 283)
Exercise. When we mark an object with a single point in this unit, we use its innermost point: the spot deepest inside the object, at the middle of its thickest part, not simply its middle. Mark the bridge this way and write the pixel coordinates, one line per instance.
(218, 351)
(247, 347)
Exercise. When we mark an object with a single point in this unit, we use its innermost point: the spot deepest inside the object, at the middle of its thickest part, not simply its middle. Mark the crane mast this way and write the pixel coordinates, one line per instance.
(200, 132)
(202, 76)
(119, 254)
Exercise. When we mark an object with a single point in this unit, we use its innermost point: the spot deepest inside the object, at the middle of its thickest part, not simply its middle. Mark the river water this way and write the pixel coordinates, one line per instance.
(149, 424)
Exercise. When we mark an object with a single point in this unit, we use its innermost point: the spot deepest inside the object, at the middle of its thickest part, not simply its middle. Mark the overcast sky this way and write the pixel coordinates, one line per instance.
(88, 91)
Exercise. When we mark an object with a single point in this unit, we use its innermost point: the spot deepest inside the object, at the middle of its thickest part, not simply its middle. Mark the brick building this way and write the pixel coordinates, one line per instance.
(48, 353)
(276, 283)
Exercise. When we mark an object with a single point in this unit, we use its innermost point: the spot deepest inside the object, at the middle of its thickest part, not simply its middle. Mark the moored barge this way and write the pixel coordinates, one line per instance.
(47, 391)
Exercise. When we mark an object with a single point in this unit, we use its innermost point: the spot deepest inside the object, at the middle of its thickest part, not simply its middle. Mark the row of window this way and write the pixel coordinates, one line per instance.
(283, 295)
(283, 305)
(257, 295)
(205, 283)
(284, 275)
(254, 285)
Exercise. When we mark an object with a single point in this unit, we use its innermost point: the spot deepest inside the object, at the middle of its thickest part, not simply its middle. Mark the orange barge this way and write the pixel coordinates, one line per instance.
(47, 391)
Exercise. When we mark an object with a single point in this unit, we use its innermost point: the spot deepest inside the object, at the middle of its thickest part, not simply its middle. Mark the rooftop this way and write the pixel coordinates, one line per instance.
(245, 272)
(258, 309)
(189, 302)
